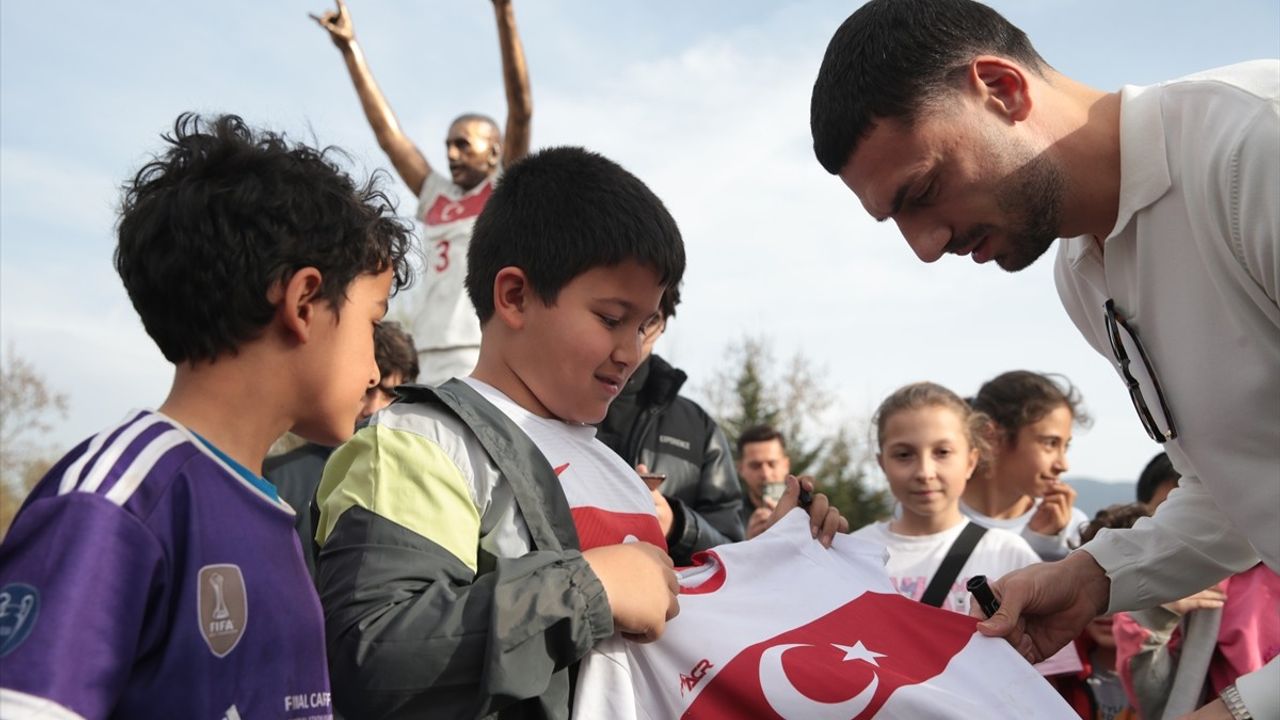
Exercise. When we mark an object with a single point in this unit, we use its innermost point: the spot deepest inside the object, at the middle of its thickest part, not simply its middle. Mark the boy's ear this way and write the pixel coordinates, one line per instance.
(298, 301)
(511, 296)
(1002, 85)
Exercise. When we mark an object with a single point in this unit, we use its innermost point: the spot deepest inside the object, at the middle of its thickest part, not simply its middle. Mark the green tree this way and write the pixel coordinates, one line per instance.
(843, 475)
(751, 390)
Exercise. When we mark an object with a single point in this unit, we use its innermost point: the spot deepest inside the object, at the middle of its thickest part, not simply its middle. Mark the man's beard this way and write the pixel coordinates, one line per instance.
(1031, 197)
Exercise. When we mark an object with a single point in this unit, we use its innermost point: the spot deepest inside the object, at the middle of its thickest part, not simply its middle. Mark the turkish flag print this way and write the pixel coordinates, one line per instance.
(445, 210)
(842, 665)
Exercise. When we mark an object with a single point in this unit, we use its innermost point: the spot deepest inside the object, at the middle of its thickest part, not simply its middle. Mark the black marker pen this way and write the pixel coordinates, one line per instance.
(982, 593)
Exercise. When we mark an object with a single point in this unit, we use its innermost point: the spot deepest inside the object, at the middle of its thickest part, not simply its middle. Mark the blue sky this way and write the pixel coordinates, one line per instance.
(706, 101)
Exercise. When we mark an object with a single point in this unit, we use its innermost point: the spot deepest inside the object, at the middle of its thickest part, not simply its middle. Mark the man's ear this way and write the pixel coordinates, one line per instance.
(511, 297)
(1002, 85)
(298, 301)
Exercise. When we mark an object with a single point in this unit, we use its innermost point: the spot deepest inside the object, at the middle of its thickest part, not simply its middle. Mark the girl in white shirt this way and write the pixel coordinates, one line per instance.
(929, 444)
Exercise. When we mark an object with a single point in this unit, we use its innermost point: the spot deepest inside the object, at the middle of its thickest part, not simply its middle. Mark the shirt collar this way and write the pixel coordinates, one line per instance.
(1144, 162)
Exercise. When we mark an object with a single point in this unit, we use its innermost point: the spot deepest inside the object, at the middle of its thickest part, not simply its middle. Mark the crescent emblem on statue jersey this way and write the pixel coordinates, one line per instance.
(452, 211)
(789, 702)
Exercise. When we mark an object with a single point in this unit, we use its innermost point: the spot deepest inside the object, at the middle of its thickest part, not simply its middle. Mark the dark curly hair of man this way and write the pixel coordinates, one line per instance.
(227, 213)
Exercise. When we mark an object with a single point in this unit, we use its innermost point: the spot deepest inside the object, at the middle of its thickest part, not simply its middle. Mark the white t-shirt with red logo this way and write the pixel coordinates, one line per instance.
(778, 626)
(436, 309)
(609, 501)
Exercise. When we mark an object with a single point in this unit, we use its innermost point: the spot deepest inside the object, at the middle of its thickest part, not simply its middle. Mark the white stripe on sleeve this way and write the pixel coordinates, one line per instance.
(15, 705)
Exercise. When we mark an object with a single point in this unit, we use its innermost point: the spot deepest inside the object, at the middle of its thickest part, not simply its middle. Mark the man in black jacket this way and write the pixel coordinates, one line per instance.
(657, 430)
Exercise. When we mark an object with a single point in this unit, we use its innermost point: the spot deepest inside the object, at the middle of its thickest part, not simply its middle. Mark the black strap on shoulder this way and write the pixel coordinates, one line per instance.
(536, 488)
(951, 565)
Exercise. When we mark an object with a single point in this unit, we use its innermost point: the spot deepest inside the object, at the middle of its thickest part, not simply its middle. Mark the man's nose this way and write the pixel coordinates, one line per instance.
(928, 239)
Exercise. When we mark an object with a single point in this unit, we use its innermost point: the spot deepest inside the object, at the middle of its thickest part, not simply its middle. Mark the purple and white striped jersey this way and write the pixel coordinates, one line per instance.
(145, 578)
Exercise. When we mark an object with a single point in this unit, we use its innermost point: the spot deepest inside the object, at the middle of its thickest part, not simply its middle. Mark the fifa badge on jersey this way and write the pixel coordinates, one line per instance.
(223, 607)
(19, 606)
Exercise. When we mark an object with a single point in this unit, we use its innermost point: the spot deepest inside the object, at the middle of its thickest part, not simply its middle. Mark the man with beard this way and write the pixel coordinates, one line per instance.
(940, 115)
(441, 318)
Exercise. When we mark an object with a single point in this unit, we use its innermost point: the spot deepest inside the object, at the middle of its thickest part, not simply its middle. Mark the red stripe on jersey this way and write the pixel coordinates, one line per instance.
(444, 210)
(712, 583)
(598, 527)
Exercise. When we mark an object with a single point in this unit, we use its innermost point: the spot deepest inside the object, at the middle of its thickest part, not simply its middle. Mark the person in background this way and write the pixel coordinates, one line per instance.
(929, 442)
(1176, 656)
(763, 466)
(1021, 489)
(680, 447)
(1096, 692)
(296, 474)
(440, 316)
(1157, 480)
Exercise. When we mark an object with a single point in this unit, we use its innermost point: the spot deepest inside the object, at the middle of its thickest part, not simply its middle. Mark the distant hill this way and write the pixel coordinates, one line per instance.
(1093, 495)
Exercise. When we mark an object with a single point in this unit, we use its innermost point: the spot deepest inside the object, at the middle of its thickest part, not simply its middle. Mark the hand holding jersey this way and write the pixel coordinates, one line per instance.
(641, 586)
(825, 519)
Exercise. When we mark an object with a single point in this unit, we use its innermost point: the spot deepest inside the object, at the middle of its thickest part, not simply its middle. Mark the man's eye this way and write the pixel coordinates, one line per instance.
(926, 196)
(609, 322)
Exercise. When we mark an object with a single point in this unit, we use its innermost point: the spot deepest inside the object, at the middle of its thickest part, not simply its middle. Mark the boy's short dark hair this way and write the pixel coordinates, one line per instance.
(892, 57)
(1157, 472)
(208, 227)
(670, 301)
(561, 212)
(760, 433)
(394, 351)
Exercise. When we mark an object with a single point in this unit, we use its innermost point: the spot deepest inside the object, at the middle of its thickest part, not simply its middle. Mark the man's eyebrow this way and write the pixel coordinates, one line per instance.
(899, 198)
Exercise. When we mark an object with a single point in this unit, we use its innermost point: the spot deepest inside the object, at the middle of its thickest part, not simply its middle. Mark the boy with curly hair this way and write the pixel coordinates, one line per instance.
(153, 573)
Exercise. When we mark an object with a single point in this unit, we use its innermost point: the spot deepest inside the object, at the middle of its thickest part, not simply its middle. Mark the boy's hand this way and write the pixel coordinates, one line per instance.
(1054, 512)
(824, 519)
(641, 587)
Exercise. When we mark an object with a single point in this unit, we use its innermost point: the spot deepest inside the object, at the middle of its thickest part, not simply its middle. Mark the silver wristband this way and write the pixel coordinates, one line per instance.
(1231, 698)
